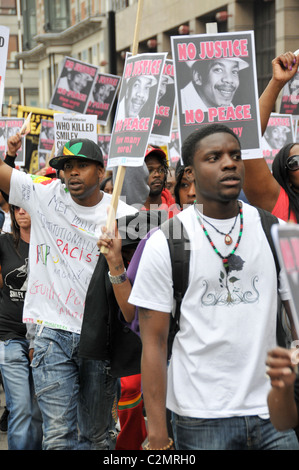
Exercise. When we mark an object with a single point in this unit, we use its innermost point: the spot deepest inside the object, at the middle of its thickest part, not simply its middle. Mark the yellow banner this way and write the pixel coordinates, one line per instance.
(37, 115)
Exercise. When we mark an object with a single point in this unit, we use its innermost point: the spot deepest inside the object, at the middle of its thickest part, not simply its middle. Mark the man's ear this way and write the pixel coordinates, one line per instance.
(197, 78)
(101, 172)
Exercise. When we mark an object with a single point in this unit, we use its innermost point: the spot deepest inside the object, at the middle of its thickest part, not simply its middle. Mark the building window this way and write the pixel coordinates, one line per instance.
(12, 63)
(57, 15)
(8, 7)
(31, 97)
(264, 31)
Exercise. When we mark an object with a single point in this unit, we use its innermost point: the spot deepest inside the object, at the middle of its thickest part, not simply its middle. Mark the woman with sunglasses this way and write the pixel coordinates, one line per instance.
(24, 420)
(277, 192)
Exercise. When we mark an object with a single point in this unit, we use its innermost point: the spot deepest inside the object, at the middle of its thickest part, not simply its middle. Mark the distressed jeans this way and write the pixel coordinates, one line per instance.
(75, 395)
(24, 420)
(236, 433)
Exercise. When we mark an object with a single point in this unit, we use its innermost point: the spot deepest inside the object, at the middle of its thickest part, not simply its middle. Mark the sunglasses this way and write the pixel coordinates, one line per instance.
(292, 163)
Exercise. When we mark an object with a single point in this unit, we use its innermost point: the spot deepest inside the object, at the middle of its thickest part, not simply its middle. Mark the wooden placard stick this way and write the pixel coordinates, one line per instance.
(121, 171)
(9, 107)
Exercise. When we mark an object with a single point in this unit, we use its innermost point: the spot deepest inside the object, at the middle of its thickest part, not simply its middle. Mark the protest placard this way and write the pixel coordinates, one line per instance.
(165, 104)
(73, 86)
(136, 109)
(174, 148)
(4, 40)
(8, 128)
(279, 132)
(286, 241)
(33, 156)
(104, 144)
(74, 126)
(216, 83)
(290, 97)
(47, 136)
(102, 96)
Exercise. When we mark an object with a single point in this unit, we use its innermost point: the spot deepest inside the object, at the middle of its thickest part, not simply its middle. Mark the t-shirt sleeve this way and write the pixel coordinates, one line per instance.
(152, 288)
(21, 190)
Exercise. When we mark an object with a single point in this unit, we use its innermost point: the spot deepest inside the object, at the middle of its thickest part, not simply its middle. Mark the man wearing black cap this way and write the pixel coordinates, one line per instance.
(159, 196)
(66, 221)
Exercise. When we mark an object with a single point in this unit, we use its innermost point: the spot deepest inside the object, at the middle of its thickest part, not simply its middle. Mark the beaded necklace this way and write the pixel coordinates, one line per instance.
(225, 260)
(227, 238)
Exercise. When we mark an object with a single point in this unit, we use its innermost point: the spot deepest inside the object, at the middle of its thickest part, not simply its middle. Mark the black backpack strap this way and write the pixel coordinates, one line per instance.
(267, 220)
(179, 249)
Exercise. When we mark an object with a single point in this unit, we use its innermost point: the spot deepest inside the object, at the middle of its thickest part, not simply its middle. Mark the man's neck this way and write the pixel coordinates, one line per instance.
(90, 201)
(217, 210)
(153, 200)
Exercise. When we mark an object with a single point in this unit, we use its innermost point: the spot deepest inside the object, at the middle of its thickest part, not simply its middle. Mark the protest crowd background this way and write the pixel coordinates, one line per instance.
(173, 161)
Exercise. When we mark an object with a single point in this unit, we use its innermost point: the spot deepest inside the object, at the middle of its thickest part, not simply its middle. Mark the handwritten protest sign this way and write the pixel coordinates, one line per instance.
(67, 127)
(279, 132)
(73, 86)
(136, 109)
(102, 96)
(4, 40)
(165, 105)
(216, 82)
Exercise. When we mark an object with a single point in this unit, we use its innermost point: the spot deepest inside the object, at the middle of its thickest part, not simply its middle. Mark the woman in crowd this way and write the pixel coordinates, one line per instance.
(24, 419)
(277, 192)
(184, 190)
(107, 185)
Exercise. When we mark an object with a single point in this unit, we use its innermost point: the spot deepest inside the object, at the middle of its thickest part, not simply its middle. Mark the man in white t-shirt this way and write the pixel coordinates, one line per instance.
(216, 384)
(66, 221)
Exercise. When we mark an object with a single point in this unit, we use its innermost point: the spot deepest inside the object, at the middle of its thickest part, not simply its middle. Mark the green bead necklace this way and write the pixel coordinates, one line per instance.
(225, 260)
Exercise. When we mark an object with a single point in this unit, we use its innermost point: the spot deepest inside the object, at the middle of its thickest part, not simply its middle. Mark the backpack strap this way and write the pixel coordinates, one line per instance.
(267, 220)
(179, 249)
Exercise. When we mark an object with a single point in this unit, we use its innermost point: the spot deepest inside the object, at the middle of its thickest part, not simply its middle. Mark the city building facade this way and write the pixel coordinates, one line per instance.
(43, 32)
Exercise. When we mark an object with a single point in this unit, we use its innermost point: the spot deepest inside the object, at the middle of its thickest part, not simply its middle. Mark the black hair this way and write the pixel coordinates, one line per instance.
(179, 172)
(15, 229)
(104, 182)
(280, 173)
(191, 143)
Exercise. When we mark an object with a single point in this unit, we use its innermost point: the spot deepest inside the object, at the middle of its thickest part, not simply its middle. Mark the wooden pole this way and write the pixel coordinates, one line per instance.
(121, 171)
(9, 107)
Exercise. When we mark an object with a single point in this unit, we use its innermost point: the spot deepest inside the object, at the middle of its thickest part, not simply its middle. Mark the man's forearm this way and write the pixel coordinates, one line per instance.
(154, 371)
(154, 327)
(283, 409)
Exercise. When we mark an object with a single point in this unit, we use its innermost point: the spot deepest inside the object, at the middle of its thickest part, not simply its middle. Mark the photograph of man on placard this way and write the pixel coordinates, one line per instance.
(290, 97)
(136, 96)
(216, 81)
(73, 86)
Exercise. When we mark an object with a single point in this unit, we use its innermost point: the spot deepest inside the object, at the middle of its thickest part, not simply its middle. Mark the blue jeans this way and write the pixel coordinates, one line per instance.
(73, 393)
(24, 420)
(237, 433)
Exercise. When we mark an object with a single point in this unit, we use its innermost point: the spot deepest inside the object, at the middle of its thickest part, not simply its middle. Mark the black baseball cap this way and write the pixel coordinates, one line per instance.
(77, 148)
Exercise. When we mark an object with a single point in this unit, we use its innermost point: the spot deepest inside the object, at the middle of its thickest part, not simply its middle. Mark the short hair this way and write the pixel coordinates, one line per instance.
(191, 143)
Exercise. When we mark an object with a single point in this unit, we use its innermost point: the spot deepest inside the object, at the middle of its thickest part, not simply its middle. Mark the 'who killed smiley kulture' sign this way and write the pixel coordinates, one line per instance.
(67, 127)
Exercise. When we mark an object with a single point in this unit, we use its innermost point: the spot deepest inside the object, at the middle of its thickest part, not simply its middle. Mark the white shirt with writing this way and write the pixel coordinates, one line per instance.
(63, 250)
